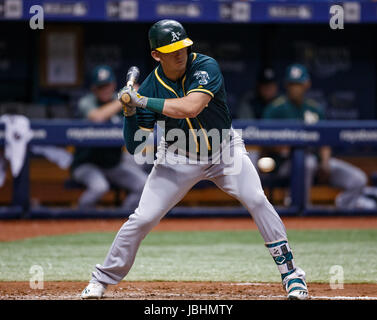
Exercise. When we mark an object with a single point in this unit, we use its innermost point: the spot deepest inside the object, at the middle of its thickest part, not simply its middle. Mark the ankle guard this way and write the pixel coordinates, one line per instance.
(283, 257)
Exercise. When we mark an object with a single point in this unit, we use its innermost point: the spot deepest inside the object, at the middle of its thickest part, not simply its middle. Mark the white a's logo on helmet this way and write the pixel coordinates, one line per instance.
(103, 74)
(175, 36)
(202, 76)
(296, 73)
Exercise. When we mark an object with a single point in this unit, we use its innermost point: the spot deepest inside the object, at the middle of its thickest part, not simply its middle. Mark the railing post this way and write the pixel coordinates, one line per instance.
(298, 179)
(21, 187)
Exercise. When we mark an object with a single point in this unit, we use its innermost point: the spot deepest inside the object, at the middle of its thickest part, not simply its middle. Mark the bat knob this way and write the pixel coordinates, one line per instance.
(125, 98)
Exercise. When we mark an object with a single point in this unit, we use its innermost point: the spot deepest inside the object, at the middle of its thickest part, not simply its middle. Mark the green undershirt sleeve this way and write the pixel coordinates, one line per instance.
(130, 127)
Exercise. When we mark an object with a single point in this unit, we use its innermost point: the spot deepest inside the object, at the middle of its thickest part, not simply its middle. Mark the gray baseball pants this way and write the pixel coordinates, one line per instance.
(126, 175)
(343, 175)
(167, 184)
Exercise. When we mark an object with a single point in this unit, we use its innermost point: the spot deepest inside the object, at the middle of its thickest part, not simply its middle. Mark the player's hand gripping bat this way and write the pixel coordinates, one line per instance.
(131, 78)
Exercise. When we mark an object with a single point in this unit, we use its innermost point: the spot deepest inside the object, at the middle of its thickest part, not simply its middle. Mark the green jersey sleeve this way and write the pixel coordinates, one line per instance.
(317, 108)
(85, 105)
(271, 112)
(143, 119)
(275, 109)
(205, 76)
(146, 119)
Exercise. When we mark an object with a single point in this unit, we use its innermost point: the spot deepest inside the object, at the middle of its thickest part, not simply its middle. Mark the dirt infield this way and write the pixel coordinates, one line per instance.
(20, 229)
(183, 291)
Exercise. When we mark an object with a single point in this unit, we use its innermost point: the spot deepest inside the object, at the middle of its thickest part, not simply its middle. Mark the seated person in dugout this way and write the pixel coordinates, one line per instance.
(320, 166)
(255, 101)
(98, 167)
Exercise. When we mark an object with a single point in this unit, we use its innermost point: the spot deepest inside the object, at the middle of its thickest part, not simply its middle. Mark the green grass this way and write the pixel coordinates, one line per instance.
(196, 256)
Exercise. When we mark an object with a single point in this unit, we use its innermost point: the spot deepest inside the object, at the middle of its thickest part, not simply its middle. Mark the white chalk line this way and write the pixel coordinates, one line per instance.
(250, 284)
(311, 297)
(344, 298)
(267, 297)
(321, 297)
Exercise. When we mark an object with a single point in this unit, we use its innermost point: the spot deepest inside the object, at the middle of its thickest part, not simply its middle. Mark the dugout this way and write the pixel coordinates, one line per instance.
(342, 63)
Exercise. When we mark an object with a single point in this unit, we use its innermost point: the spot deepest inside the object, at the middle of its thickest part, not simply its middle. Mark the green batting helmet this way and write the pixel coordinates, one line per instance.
(168, 36)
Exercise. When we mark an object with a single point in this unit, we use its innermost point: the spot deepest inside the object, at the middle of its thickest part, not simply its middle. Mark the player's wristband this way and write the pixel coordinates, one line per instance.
(155, 104)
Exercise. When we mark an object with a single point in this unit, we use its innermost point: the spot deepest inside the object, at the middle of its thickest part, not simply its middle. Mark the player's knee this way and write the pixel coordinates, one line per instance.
(138, 185)
(100, 187)
(311, 163)
(257, 200)
(260, 199)
(143, 221)
(358, 181)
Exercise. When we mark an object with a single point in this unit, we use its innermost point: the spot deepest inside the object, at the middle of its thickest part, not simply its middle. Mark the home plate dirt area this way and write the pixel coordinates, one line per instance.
(184, 291)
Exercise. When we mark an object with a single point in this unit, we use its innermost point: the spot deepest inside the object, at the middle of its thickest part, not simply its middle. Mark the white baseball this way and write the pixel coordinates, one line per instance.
(266, 164)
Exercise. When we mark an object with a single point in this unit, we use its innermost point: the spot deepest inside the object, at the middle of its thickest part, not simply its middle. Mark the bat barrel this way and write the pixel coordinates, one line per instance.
(132, 75)
(131, 78)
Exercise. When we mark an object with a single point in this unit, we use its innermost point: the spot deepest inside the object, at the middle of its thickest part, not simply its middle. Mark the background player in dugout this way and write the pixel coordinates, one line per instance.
(98, 167)
(320, 166)
(254, 101)
(187, 89)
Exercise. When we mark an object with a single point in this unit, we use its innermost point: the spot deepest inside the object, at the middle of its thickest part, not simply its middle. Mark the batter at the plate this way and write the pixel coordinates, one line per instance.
(186, 91)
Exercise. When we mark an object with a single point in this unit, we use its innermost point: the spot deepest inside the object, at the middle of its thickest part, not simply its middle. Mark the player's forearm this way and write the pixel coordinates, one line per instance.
(325, 154)
(181, 108)
(187, 107)
(105, 112)
(130, 127)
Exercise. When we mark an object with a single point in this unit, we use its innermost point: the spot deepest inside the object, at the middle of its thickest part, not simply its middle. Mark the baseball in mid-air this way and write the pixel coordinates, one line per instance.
(266, 164)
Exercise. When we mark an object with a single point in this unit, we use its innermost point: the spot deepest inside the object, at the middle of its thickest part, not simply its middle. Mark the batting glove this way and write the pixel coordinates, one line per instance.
(136, 100)
(128, 111)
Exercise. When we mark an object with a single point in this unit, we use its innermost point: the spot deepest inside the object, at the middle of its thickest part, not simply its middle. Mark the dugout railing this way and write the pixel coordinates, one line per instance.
(353, 135)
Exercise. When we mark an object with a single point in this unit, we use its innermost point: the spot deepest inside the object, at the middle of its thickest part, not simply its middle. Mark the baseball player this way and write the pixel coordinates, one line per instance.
(255, 101)
(186, 92)
(320, 166)
(97, 167)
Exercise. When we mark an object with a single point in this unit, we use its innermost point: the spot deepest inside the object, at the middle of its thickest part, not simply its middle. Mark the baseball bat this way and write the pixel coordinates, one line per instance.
(133, 74)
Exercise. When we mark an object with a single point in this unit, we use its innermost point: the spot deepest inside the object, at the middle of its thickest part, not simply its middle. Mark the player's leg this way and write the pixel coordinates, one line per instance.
(165, 187)
(245, 186)
(95, 181)
(130, 176)
(352, 180)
